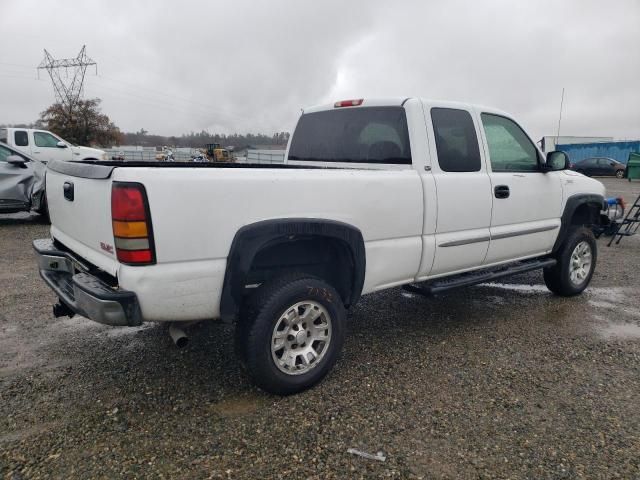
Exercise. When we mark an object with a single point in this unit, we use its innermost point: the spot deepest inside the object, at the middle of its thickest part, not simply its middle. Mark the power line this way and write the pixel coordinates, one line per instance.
(147, 90)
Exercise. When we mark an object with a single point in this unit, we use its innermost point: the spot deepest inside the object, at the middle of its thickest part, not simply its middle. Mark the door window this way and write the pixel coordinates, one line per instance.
(456, 140)
(44, 139)
(21, 138)
(510, 150)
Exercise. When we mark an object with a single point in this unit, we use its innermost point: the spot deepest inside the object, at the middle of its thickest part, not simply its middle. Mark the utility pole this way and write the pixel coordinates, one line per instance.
(68, 88)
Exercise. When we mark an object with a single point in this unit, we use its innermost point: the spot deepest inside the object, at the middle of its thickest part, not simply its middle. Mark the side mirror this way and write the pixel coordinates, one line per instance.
(61, 145)
(557, 160)
(16, 161)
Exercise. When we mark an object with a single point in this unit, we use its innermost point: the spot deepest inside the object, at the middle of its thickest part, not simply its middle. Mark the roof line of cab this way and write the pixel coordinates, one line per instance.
(401, 101)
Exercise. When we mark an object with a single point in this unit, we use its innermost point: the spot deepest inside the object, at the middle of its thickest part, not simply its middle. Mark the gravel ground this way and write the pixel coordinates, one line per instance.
(494, 381)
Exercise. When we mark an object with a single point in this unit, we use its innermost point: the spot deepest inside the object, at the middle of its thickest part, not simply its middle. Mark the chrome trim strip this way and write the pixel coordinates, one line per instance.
(457, 243)
(500, 236)
(523, 232)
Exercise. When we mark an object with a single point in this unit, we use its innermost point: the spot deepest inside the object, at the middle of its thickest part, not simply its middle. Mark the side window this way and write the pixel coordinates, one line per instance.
(456, 140)
(4, 135)
(510, 150)
(43, 139)
(4, 153)
(21, 138)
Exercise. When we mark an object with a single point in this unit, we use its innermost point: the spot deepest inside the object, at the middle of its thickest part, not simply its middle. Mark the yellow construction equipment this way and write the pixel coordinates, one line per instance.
(215, 153)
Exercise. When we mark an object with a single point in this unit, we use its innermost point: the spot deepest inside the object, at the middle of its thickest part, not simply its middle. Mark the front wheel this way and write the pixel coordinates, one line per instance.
(292, 335)
(576, 262)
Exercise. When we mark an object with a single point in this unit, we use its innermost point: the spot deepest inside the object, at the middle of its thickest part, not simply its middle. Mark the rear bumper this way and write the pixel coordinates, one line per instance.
(82, 292)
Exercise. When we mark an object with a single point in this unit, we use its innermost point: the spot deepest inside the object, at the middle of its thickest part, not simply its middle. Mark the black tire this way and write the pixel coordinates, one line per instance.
(620, 174)
(558, 278)
(261, 315)
(43, 211)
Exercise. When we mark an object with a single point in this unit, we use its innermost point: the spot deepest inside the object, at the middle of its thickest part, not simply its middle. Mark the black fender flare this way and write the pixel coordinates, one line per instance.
(250, 239)
(573, 202)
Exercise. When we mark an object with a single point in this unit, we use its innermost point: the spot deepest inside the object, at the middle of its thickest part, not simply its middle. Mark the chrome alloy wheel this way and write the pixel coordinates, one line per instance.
(580, 265)
(301, 337)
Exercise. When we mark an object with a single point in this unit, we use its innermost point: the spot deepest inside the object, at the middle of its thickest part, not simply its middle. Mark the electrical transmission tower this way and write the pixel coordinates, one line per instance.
(67, 84)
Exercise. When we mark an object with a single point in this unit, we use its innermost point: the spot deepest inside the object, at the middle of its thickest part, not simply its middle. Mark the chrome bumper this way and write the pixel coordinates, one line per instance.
(82, 292)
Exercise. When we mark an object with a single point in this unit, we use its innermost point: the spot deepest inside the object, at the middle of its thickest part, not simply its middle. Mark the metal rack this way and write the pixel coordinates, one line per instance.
(630, 225)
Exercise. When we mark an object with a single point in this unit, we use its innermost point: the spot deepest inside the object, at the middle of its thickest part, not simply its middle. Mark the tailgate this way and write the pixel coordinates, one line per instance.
(79, 199)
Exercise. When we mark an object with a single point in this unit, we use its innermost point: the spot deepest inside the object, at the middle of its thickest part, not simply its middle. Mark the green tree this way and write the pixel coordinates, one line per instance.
(84, 124)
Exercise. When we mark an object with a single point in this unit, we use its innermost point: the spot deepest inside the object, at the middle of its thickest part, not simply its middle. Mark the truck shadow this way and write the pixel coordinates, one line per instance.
(22, 218)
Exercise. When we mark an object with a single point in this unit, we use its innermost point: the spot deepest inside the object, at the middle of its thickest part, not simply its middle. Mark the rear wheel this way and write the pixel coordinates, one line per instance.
(291, 334)
(576, 262)
(620, 173)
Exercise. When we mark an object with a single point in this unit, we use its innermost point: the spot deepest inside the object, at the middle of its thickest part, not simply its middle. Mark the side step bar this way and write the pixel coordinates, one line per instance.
(473, 278)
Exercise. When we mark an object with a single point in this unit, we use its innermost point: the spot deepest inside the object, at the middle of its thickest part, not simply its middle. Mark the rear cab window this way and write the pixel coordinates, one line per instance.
(21, 138)
(377, 135)
(456, 140)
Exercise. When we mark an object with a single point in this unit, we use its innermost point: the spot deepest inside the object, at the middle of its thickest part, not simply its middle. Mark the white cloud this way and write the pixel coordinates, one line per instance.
(173, 67)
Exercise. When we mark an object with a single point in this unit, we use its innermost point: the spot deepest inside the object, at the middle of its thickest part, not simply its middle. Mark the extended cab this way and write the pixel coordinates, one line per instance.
(373, 194)
(47, 146)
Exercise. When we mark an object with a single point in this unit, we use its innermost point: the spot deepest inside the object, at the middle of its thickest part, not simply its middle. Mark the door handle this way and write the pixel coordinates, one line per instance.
(501, 191)
(67, 190)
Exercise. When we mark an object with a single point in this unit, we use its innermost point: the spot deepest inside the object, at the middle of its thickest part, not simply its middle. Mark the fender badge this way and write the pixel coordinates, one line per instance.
(106, 247)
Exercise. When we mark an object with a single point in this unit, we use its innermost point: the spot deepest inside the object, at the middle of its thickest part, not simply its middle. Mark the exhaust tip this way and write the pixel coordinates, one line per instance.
(179, 337)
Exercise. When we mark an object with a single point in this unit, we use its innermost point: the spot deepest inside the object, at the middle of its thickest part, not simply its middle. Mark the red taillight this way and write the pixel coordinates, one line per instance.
(132, 224)
(127, 203)
(348, 103)
(134, 256)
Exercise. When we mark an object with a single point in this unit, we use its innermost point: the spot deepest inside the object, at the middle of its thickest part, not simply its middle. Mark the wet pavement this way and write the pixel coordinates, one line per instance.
(501, 380)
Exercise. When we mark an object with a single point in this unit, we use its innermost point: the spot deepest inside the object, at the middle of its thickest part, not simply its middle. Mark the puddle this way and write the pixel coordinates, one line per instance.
(237, 406)
(616, 312)
(621, 330)
(516, 287)
(614, 309)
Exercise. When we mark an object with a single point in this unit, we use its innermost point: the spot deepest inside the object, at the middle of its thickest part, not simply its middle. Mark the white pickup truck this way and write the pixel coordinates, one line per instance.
(373, 194)
(47, 146)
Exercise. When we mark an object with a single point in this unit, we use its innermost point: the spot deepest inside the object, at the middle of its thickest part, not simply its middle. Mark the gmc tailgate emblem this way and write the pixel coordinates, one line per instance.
(106, 247)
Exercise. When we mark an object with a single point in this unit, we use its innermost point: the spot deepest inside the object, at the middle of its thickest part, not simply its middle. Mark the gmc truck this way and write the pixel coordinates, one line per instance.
(373, 194)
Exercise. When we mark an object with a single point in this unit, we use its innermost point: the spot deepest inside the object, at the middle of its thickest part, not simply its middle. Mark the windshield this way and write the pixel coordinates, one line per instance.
(353, 135)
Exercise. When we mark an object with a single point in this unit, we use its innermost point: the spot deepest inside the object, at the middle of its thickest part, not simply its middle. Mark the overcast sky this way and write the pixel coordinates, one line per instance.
(173, 67)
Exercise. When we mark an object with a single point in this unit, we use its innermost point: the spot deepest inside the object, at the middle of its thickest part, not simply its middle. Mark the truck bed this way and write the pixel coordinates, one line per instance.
(197, 209)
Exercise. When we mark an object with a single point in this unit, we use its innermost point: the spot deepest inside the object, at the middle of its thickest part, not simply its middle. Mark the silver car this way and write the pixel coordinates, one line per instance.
(21, 182)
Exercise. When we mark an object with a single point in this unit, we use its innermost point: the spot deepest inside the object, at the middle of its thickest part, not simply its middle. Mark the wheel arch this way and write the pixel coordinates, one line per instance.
(581, 209)
(281, 234)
